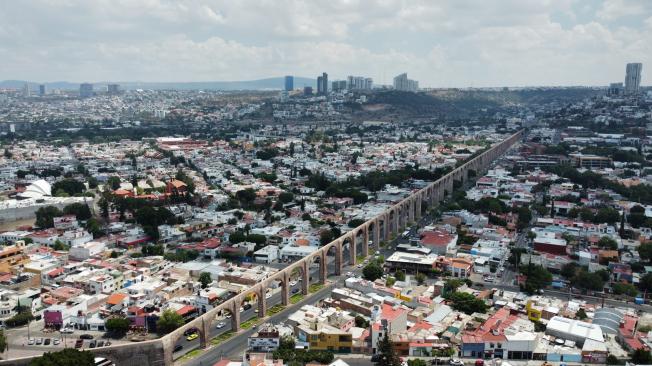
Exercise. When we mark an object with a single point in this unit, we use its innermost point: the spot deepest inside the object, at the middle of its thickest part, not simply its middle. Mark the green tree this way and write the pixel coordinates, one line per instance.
(45, 216)
(588, 280)
(93, 227)
(80, 210)
(569, 269)
(645, 251)
(421, 278)
(69, 185)
(537, 278)
(641, 357)
(372, 271)
(387, 356)
(113, 182)
(467, 303)
(286, 197)
(66, 357)
(416, 362)
(645, 283)
(581, 314)
(205, 279)
(237, 237)
(607, 243)
(400, 275)
(118, 326)
(524, 217)
(624, 289)
(168, 321)
(355, 223)
(361, 322)
(3, 341)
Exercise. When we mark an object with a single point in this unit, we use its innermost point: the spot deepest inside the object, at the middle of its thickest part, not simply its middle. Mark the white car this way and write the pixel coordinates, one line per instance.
(66, 330)
(220, 325)
(349, 274)
(268, 295)
(55, 341)
(293, 283)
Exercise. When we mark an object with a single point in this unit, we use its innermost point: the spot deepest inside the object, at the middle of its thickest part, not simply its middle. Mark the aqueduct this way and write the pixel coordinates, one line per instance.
(389, 222)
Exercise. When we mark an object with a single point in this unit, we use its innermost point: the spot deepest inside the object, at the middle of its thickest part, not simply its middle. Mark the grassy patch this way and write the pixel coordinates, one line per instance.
(275, 309)
(296, 298)
(192, 354)
(360, 258)
(221, 338)
(249, 323)
(315, 287)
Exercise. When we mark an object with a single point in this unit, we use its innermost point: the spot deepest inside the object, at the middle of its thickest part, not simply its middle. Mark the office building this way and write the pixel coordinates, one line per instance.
(338, 85)
(322, 84)
(289, 83)
(307, 90)
(633, 77)
(358, 83)
(615, 89)
(402, 83)
(113, 89)
(41, 90)
(26, 90)
(86, 90)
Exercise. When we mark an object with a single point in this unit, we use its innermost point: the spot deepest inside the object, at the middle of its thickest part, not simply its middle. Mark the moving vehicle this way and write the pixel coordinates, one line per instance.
(295, 290)
(177, 348)
(85, 336)
(190, 331)
(220, 325)
(192, 337)
(455, 362)
(246, 306)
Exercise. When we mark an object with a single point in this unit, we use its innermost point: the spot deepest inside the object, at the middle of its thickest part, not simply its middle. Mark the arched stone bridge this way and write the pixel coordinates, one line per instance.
(354, 242)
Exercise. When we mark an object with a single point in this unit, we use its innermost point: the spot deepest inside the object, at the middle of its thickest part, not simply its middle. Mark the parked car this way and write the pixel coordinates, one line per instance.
(56, 341)
(66, 330)
(100, 343)
(39, 341)
(31, 341)
(455, 362)
(108, 343)
(85, 336)
(92, 344)
(79, 343)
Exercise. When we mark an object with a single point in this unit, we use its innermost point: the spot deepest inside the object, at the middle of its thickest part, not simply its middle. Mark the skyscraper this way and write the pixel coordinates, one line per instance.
(26, 90)
(359, 83)
(322, 84)
(402, 83)
(633, 77)
(86, 90)
(289, 83)
(41, 90)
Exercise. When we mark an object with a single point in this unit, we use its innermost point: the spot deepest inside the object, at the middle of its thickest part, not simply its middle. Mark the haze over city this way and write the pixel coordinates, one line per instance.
(442, 44)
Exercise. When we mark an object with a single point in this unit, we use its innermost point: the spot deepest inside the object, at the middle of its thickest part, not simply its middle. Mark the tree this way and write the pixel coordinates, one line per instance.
(581, 314)
(641, 357)
(607, 243)
(93, 227)
(361, 322)
(569, 269)
(372, 271)
(169, 321)
(80, 210)
(400, 275)
(537, 278)
(117, 326)
(624, 289)
(645, 251)
(205, 279)
(237, 237)
(645, 283)
(355, 223)
(524, 217)
(467, 303)
(588, 280)
(65, 357)
(416, 362)
(3, 341)
(69, 185)
(45, 216)
(421, 278)
(113, 182)
(387, 356)
(286, 197)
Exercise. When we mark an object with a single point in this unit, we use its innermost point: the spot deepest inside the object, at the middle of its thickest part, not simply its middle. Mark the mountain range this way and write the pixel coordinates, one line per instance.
(276, 83)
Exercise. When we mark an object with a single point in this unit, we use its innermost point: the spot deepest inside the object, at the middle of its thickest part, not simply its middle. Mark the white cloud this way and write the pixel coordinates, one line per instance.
(443, 43)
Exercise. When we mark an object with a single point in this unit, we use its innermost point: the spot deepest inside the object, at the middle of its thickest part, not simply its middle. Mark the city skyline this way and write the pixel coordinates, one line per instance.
(448, 44)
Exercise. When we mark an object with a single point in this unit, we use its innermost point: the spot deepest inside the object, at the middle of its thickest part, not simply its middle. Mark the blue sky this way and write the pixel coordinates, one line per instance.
(457, 43)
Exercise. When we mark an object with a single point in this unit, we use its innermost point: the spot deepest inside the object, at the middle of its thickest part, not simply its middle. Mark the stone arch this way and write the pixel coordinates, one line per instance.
(334, 259)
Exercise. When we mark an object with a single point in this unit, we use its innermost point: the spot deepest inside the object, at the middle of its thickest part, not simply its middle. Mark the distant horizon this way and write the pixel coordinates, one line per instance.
(442, 44)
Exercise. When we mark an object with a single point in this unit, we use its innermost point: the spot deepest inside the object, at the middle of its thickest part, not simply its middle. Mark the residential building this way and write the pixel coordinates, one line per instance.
(633, 77)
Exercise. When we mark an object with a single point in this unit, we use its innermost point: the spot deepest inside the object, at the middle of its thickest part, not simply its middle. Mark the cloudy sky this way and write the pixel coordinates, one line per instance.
(455, 43)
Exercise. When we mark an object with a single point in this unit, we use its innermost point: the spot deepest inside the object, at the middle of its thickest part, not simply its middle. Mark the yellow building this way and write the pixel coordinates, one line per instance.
(13, 256)
(324, 337)
(533, 311)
